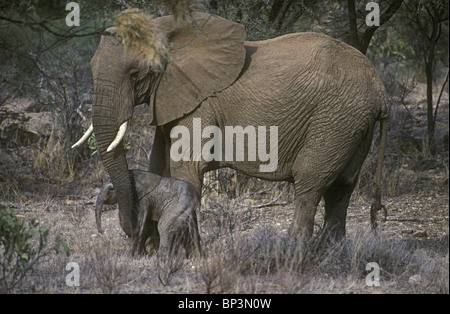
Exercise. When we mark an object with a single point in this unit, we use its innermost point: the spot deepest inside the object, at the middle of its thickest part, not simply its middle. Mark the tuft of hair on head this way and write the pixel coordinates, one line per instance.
(182, 9)
(141, 37)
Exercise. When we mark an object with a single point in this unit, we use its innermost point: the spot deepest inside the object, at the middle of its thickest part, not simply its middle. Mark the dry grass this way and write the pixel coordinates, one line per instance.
(109, 268)
(277, 264)
(256, 258)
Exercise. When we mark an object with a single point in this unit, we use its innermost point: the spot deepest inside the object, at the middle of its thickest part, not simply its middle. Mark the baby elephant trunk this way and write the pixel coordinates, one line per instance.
(106, 196)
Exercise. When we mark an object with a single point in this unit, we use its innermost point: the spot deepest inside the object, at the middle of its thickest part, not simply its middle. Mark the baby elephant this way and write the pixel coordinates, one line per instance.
(168, 211)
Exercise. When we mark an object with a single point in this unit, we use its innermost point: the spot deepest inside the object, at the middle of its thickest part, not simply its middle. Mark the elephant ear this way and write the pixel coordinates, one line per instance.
(145, 182)
(206, 55)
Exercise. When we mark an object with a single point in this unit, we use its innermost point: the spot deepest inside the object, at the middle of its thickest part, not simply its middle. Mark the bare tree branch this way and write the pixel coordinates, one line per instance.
(43, 24)
(439, 99)
(354, 40)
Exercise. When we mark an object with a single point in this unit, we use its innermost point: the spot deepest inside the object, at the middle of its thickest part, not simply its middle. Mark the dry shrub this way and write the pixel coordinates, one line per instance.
(110, 269)
(169, 264)
(77, 216)
(53, 162)
(318, 267)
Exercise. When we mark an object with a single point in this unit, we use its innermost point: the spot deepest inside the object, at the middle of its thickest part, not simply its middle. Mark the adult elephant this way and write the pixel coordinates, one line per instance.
(323, 96)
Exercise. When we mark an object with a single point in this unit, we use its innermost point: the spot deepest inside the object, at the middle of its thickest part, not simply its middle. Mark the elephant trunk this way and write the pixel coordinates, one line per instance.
(106, 123)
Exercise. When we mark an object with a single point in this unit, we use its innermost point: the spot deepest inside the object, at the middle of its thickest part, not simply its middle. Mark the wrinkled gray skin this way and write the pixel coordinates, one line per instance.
(168, 210)
(324, 96)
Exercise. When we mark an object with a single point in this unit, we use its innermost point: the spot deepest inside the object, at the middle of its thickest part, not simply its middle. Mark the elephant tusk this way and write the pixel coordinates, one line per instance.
(85, 136)
(119, 137)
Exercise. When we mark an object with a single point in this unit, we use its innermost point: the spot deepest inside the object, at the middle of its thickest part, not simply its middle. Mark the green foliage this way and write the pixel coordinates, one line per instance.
(22, 245)
(61, 246)
(388, 49)
(422, 25)
(93, 146)
(396, 49)
(15, 236)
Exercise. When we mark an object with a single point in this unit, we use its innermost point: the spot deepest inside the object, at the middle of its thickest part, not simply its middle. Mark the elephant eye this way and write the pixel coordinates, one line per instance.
(133, 77)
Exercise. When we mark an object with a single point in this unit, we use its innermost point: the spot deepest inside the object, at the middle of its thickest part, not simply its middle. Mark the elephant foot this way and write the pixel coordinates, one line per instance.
(333, 233)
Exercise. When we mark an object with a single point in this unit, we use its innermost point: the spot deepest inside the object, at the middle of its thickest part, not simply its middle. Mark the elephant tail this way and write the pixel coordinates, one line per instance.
(376, 205)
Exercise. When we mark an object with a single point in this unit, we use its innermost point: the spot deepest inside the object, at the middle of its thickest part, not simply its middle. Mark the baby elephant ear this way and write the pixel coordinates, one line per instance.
(206, 55)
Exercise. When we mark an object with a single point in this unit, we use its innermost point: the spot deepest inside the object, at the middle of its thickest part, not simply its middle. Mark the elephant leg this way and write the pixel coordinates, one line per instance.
(182, 234)
(166, 230)
(337, 196)
(192, 237)
(302, 225)
(159, 157)
(314, 170)
(145, 230)
(308, 192)
(153, 242)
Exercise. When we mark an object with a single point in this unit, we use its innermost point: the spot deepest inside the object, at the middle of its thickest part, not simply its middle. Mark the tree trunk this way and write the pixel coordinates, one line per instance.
(361, 40)
(429, 65)
(281, 14)
(430, 118)
(353, 28)
(290, 21)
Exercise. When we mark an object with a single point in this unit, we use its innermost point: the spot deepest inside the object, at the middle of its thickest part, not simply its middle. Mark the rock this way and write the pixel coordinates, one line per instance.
(40, 123)
(23, 121)
(27, 127)
(21, 105)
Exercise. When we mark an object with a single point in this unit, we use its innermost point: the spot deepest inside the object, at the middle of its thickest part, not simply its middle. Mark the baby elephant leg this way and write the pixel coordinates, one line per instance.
(153, 242)
(179, 227)
(147, 228)
(191, 238)
(168, 229)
